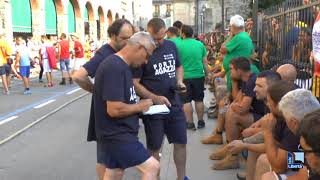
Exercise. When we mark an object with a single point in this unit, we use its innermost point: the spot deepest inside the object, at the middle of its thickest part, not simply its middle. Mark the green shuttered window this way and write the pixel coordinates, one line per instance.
(51, 17)
(21, 16)
(71, 18)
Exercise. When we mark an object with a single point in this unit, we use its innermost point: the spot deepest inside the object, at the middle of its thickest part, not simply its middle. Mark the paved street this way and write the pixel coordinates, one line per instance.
(56, 147)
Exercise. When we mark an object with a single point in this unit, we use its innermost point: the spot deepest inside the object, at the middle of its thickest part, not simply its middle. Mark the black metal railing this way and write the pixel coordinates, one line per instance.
(285, 36)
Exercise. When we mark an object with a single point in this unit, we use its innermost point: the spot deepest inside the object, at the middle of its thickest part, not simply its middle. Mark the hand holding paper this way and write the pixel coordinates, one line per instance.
(157, 109)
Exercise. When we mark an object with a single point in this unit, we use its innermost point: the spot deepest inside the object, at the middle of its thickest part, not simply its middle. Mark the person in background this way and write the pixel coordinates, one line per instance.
(78, 53)
(5, 52)
(119, 32)
(178, 24)
(193, 57)
(45, 61)
(23, 62)
(64, 56)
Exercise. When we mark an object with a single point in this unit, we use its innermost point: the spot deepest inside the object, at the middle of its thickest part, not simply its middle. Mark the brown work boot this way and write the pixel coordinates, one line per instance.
(219, 153)
(229, 162)
(242, 175)
(213, 139)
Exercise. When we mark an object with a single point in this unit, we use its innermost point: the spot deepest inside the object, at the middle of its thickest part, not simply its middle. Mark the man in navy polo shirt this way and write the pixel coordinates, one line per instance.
(158, 81)
(116, 111)
(119, 32)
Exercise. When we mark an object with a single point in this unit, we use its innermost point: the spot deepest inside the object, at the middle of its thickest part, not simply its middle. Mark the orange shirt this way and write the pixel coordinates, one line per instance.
(5, 52)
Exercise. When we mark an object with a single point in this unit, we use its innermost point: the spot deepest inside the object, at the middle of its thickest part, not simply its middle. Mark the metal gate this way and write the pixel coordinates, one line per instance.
(285, 36)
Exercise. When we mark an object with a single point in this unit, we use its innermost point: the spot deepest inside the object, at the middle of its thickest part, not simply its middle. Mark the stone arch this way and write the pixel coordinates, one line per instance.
(76, 8)
(35, 5)
(59, 7)
(90, 11)
(110, 18)
(101, 14)
(100, 23)
(117, 16)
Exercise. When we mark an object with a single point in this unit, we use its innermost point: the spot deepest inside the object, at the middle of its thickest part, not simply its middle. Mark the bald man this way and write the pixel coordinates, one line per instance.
(287, 72)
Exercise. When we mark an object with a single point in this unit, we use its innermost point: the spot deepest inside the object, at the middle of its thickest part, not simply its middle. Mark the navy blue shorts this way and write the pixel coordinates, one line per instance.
(121, 155)
(195, 90)
(173, 125)
(25, 71)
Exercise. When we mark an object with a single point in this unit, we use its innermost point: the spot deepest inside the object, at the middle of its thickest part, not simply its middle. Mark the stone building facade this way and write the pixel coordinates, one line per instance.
(85, 17)
(209, 11)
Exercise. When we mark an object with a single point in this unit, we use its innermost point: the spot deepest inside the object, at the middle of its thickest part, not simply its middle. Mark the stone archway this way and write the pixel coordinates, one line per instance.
(110, 18)
(100, 23)
(89, 24)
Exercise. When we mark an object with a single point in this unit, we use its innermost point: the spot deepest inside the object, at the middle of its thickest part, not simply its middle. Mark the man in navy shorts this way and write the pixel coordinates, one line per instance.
(116, 111)
(158, 80)
(119, 32)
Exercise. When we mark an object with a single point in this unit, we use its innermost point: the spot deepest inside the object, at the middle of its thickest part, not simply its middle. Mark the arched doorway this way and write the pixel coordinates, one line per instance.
(22, 8)
(100, 22)
(117, 16)
(88, 18)
(50, 18)
(71, 18)
(73, 13)
(110, 19)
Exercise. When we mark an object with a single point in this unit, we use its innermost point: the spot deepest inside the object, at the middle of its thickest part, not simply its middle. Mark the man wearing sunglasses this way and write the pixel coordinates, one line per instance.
(158, 80)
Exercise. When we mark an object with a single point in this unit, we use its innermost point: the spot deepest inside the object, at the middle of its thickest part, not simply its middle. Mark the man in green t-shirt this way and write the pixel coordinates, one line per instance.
(238, 44)
(192, 54)
(173, 35)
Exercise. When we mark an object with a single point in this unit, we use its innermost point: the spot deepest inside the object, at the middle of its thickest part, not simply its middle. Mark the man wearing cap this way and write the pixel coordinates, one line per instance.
(78, 52)
(238, 44)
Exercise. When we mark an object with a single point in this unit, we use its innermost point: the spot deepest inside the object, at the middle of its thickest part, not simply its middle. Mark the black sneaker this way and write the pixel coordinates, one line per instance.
(201, 124)
(191, 126)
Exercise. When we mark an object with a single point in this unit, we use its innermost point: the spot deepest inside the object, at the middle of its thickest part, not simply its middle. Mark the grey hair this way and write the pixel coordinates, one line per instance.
(298, 103)
(142, 38)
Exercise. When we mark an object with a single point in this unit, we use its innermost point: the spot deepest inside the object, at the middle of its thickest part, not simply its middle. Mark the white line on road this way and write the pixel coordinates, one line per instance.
(44, 104)
(8, 119)
(40, 119)
(73, 91)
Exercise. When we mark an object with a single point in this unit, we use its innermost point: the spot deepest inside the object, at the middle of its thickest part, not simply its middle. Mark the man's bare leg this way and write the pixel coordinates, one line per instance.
(188, 111)
(263, 166)
(199, 109)
(233, 120)
(216, 136)
(113, 174)
(150, 169)
(4, 82)
(251, 164)
(180, 158)
(100, 168)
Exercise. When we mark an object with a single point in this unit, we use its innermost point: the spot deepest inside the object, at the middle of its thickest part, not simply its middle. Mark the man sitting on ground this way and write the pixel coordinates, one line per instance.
(243, 111)
(294, 106)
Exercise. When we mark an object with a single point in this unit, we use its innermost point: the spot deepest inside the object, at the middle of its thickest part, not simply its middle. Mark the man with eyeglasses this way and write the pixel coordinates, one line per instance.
(116, 111)
(119, 32)
(159, 80)
(295, 105)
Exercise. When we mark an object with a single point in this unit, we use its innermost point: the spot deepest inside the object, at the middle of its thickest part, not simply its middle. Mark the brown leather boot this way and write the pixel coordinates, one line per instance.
(229, 162)
(219, 153)
(213, 139)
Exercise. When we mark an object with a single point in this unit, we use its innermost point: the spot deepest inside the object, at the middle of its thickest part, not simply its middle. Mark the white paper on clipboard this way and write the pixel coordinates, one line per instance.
(157, 109)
